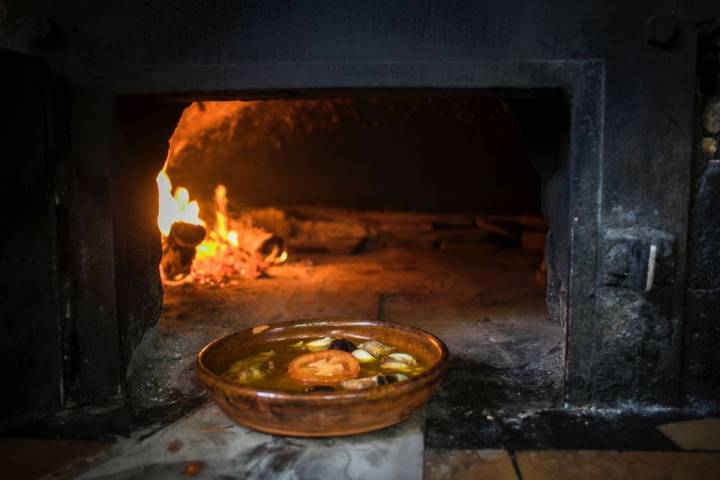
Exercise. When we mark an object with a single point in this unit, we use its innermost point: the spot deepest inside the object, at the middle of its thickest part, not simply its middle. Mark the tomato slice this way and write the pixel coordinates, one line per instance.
(324, 367)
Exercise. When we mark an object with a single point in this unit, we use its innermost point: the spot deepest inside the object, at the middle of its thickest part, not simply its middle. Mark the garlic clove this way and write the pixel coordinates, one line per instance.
(405, 358)
(395, 366)
(375, 348)
(319, 344)
(363, 356)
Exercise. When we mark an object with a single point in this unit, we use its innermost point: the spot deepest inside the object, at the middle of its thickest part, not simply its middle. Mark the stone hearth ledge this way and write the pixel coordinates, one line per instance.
(208, 444)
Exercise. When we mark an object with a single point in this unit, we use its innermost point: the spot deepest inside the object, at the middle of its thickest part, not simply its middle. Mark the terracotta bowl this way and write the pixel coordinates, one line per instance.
(321, 414)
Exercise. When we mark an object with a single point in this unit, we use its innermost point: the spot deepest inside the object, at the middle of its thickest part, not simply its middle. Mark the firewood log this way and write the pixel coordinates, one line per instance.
(179, 250)
(257, 241)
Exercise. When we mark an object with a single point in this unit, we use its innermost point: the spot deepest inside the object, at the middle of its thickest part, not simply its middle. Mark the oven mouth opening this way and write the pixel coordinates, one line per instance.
(425, 208)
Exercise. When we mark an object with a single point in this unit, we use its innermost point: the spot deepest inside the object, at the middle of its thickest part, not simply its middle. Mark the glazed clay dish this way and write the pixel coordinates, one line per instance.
(313, 409)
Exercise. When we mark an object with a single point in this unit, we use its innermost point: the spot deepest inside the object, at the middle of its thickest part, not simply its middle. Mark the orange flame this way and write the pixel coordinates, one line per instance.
(174, 208)
(220, 238)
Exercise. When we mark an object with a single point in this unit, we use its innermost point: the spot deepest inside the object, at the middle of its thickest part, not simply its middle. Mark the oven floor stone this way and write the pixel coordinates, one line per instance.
(207, 444)
(484, 302)
(502, 389)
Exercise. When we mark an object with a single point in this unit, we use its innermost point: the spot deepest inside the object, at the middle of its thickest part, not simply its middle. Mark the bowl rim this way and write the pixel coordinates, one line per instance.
(338, 397)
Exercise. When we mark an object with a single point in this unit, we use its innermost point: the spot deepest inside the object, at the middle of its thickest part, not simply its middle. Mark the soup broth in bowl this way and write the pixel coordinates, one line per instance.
(325, 365)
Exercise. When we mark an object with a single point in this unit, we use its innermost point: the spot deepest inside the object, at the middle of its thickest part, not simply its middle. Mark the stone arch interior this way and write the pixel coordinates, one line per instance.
(522, 137)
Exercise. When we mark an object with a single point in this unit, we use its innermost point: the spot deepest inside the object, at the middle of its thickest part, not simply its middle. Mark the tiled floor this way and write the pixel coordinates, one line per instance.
(594, 465)
(27, 458)
(468, 464)
(206, 444)
(571, 465)
(702, 463)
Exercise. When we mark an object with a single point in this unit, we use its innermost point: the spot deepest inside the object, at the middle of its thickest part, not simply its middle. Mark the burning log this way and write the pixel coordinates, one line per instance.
(179, 250)
(246, 252)
(258, 242)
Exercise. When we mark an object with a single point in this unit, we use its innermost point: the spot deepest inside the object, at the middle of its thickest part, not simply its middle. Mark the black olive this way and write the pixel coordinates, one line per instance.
(342, 344)
(385, 379)
(319, 388)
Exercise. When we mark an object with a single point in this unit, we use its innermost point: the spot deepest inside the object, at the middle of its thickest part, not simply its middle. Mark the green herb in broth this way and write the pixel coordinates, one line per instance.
(379, 364)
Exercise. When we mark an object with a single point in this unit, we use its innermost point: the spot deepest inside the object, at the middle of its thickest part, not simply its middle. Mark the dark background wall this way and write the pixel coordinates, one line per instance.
(30, 342)
(443, 153)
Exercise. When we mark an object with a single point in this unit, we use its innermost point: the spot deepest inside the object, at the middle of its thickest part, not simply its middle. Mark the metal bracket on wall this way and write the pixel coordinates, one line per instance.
(637, 258)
